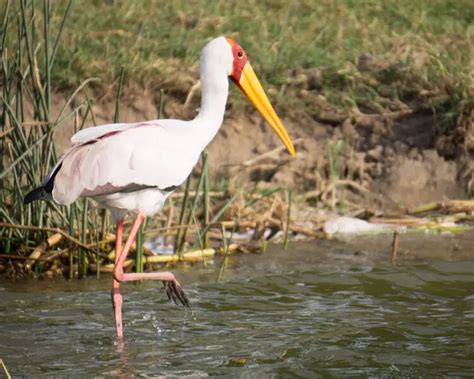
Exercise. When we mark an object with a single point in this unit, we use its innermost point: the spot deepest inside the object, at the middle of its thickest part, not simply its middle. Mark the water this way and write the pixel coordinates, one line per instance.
(329, 308)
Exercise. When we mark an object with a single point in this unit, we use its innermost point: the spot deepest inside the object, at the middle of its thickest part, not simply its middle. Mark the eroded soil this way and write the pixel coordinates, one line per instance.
(386, 159)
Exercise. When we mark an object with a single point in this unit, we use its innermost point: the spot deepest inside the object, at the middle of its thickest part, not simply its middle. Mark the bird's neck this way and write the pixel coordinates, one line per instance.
(214, 89)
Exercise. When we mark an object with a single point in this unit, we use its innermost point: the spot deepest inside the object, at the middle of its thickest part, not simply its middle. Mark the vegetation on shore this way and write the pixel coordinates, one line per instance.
(421, 49)
(368, 56)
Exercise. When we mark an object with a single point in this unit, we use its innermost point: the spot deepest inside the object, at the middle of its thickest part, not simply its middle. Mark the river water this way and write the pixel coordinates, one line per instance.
(326, 308)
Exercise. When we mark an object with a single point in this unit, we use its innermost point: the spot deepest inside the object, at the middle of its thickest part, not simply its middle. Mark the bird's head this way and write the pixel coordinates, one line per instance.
(234, 60)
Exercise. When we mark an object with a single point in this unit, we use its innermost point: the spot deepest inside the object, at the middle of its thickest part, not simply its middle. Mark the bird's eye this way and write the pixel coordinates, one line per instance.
(240, 54)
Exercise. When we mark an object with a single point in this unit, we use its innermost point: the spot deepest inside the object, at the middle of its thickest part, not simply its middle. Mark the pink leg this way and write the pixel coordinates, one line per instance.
(172, 286)
(116, 296)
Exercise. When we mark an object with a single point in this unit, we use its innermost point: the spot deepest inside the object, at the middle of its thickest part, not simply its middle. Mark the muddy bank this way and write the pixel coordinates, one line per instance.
(387, 159)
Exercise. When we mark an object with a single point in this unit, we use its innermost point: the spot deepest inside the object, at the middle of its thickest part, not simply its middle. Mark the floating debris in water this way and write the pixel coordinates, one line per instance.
(349, 225)
(158, 246)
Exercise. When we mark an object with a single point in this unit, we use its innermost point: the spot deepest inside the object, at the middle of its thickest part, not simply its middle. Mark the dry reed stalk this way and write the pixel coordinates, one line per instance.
(198, 255)
(271, 153)
(214, 235)
(179, 195)
(164, 230)
(238, 224)
(342, 182)
(295, 228)
(405, 221)
(6, 131)
(169, 221)
(233, 247)
(5, 370)
(194, 89)
(331, 186)
(457, 206)
(133, 248)
(109, 238)
(110, 267)
(36, 123)
(163, 258)
(41, 249)
(190, 256)
(51, 230)
(17, 258)
(450, 206)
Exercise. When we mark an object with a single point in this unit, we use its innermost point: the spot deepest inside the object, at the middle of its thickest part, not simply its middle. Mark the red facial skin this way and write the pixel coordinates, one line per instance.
(240, 60)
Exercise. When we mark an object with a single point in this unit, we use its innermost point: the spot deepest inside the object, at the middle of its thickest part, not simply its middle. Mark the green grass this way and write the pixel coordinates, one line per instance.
(158, 42)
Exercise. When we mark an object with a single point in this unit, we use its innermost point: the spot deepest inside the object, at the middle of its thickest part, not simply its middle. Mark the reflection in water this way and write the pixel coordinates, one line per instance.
(355, 317)
(123, 369)
(119, 344)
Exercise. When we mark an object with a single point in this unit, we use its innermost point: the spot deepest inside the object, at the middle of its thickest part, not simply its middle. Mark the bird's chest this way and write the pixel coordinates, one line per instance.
(147, 201)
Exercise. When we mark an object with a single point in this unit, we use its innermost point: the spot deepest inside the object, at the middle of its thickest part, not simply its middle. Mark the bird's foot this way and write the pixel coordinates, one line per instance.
(175, 292)
(173, 289)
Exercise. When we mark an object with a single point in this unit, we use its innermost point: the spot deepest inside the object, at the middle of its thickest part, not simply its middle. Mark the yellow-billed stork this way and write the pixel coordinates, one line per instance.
(133, 167)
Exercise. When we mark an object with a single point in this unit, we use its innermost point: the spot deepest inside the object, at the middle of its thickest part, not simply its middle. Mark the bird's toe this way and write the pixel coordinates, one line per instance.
(175, 293)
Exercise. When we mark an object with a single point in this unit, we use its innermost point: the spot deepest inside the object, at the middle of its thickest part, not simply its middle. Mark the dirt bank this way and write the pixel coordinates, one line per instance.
(385, 160)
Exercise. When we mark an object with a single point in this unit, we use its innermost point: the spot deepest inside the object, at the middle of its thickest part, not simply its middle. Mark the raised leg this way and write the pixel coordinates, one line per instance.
(172, 286)
(116, 296)
(173, 289)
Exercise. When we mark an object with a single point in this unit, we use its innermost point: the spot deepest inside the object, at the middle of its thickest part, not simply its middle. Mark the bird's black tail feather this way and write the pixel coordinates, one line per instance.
(39, 193)
(45, 191)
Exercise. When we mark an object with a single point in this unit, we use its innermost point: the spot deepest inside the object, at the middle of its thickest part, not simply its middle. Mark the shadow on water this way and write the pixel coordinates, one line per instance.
(324, 307)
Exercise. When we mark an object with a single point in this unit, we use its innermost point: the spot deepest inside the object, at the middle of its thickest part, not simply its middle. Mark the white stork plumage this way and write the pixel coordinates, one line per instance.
(133, 167)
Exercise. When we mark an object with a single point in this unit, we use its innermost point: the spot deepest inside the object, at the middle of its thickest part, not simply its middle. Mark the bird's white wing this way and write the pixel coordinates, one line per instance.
(87, 135)
(97, 132)
(159, 154)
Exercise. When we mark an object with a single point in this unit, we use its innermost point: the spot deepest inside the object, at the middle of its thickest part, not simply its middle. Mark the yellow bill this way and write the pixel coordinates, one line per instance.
(251, 87)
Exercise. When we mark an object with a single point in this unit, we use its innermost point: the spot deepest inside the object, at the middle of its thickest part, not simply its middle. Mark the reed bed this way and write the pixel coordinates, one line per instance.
(74, 241)
(28, 127)
(200, 221)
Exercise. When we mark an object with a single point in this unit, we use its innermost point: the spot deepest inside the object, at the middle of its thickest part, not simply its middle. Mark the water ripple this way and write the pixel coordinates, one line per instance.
(408, 321)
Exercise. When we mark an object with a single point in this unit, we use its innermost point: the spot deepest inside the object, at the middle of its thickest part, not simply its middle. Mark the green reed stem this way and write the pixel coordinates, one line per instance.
(288, 220)
(60, 119)
(71, 232)
(139, 252)
(7, 245)
(5, 23)
(198, 232)
(160, 108)
(221, 211)
(193, 207)
(83, 258)
(31, 149)
(58, 37)
(97, 247)
(205, 169)
(105, 224)
(225, 246)
(181, 215)
(37, 92)
(46, 25)
(89, 109)
(263, 194)
(119, 93)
